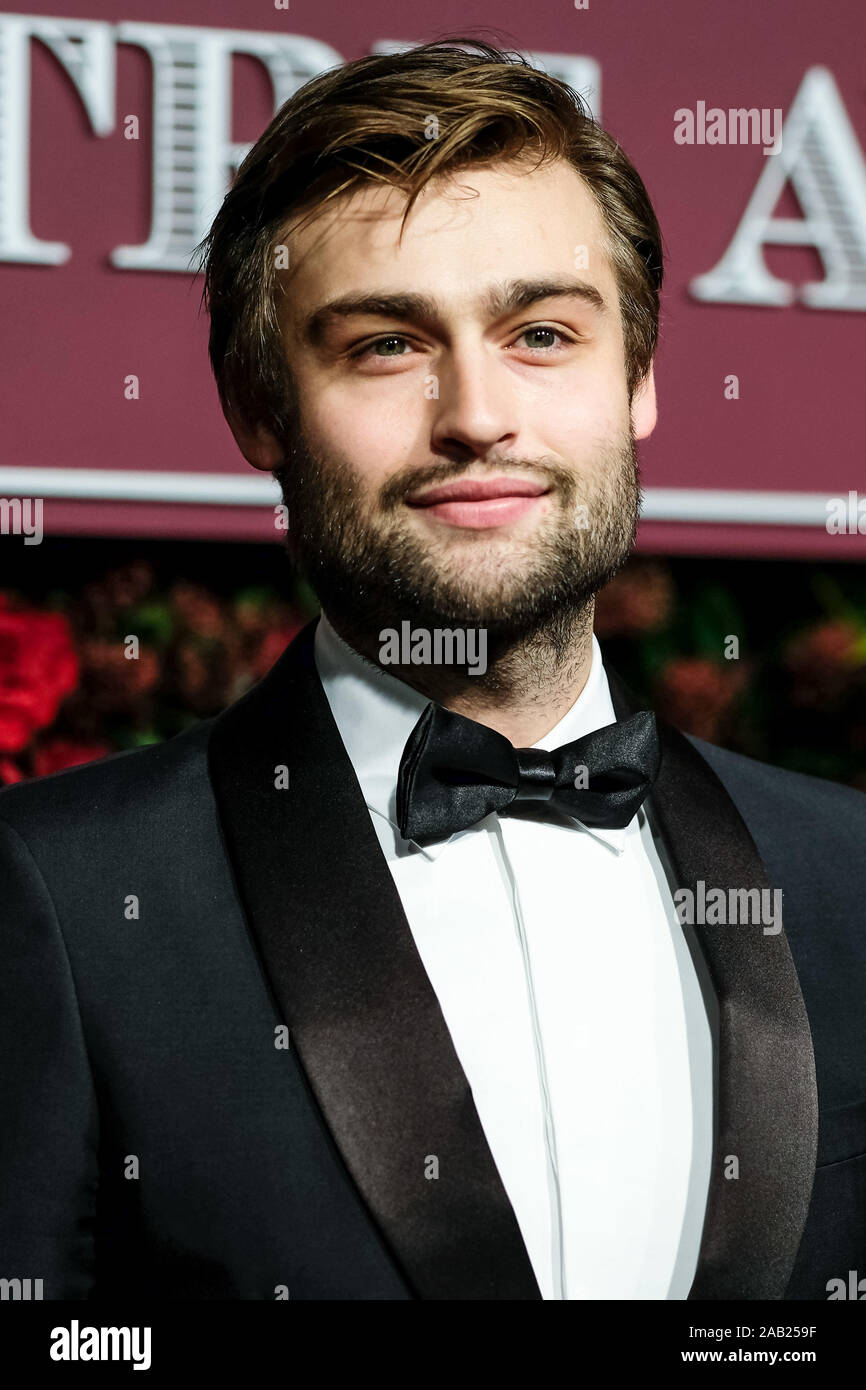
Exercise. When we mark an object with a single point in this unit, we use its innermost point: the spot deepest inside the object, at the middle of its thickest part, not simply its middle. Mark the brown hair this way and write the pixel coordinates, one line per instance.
(368, 120)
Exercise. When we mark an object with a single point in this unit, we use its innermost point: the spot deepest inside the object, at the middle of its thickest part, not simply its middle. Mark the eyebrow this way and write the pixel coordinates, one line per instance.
(507, 298)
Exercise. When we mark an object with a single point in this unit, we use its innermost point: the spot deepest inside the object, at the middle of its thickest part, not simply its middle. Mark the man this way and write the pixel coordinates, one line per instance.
(396, 980)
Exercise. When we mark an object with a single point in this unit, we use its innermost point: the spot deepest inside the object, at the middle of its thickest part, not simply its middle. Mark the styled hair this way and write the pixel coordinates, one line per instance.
(369, 121)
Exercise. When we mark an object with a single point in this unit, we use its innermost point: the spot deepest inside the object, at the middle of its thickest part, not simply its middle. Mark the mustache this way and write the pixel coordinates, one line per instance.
(414, 478)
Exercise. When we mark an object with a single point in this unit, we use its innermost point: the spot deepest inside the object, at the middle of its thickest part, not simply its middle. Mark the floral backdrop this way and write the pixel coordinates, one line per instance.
(795, 692)
(71, 688)
(790, 687)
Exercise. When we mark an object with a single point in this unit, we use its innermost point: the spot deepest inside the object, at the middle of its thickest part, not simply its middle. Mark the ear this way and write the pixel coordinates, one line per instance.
(644, 413)
(259, 447)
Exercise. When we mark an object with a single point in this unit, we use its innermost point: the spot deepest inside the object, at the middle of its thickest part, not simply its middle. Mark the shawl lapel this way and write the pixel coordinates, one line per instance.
(362, 1015)
(766, 1111)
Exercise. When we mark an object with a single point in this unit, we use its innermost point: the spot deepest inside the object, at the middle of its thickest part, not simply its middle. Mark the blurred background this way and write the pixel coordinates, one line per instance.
(118, 137)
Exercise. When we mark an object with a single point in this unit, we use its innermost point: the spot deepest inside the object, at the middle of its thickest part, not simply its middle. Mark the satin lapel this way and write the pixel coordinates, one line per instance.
(766, 1103)
(361, 1012)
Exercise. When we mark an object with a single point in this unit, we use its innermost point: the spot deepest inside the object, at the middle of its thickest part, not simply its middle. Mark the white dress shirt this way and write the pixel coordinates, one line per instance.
(571, 999)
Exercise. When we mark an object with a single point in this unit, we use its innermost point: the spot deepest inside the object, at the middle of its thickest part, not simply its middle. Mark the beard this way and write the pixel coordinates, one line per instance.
(371, 566)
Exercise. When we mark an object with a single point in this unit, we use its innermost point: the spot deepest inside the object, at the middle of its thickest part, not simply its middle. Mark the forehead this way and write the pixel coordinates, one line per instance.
(504, 221)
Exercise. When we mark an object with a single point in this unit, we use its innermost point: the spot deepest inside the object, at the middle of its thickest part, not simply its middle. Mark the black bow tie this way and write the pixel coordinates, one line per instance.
(454, 772)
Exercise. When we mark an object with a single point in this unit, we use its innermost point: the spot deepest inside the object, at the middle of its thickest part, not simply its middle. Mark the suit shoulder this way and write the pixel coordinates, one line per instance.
(779, 792)
(106, 788)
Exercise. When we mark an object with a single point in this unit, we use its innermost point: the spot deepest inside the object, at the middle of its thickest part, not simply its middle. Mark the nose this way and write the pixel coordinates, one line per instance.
(477, 407)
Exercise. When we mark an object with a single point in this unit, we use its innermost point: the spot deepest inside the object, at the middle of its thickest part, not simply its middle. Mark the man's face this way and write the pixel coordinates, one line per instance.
(489, 351)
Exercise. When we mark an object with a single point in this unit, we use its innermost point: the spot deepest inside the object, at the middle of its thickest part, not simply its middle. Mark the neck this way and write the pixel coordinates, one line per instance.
(529, 684)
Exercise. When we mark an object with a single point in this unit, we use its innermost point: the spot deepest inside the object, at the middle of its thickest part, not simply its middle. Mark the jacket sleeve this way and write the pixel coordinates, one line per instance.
(49, 1128)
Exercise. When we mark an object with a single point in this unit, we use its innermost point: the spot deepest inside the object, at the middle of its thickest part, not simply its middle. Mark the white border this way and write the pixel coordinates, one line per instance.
(231, 490)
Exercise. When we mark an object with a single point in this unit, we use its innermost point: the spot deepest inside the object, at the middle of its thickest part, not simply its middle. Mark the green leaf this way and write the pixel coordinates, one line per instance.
(305, 598)
(258, 596)
(142, 737)
(153, 622)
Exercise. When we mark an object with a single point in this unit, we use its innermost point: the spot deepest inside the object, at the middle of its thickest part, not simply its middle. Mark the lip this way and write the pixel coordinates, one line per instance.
(491, 511)
(478, 503)
(478, 490)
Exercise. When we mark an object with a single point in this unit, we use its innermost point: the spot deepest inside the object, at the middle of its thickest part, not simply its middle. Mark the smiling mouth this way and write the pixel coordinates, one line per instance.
(476, 503)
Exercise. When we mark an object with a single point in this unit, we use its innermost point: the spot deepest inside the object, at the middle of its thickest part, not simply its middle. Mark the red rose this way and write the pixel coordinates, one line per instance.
(9, 772)
(59, 753)
(38, 669)
(197, 610)
(829, 645)
(272, 645)
(113, 681)
(823, 662)
(694, 693)
(638, 600)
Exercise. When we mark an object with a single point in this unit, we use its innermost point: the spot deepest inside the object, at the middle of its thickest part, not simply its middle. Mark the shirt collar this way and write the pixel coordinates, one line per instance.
(375, 713)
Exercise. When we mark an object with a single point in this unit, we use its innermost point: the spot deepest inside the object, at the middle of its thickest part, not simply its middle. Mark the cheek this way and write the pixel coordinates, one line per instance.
(373, 433)
(345, 438)
(582, 414)
(581, 429)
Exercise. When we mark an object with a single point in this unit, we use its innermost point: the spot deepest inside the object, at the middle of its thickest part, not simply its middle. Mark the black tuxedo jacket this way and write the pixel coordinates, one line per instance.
(166, 913)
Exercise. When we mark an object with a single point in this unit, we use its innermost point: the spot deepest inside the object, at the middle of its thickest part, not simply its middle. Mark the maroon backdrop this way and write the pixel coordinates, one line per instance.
(72, 332)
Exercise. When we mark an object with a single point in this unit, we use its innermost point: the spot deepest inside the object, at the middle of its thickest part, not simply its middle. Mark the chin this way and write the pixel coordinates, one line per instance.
(483, 606)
